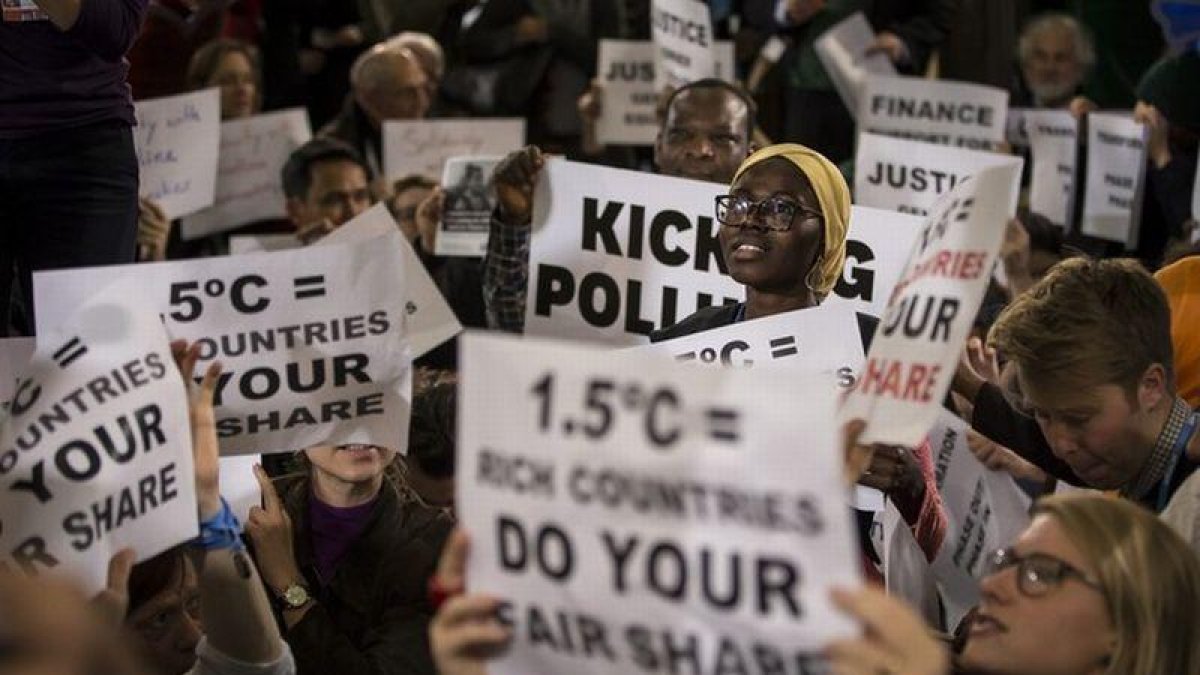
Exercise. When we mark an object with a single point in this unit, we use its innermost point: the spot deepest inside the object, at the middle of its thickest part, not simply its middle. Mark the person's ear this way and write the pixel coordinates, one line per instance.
(1153, 388)
(296, 211)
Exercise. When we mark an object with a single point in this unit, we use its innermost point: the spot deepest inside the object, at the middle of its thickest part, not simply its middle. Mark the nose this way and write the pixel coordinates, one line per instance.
(999, 587)
(701, 147)
(1062, 441)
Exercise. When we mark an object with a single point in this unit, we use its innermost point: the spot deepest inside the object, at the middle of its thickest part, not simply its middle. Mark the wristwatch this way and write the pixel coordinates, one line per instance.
(294, 596)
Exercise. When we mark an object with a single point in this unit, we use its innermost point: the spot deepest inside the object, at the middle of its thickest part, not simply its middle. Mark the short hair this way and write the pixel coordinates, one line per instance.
(431, 430)
(297, 171)
(154, 575)
(1150, 577)
(205, 61)
(716, 83)
(427, 50)
(1085, 47)
(1088, 322)
(1044, 234)
(413, 180)
(366, 69)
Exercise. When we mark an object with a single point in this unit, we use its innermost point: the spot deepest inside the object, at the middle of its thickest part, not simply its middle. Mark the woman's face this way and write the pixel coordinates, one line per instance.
(1065, 631)
(239, 89)
(350, 464)
(771, 261)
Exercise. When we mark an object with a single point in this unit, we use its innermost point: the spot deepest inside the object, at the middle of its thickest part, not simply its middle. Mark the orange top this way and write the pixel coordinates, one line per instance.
(1181, 281)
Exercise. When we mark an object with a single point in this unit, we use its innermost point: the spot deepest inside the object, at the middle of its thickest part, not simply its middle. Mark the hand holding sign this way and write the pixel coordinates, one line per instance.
(205, 449)
(896, 640)
(112, 603)
(515, 179)
(466, 631)
(270, 531)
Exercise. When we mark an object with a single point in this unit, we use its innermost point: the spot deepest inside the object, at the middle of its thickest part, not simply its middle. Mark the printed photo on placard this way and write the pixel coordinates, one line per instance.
(467, 209)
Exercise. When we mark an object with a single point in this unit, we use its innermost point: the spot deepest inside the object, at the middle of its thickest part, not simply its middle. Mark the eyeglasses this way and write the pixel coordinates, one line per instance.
(1037, 573)
(777, 214)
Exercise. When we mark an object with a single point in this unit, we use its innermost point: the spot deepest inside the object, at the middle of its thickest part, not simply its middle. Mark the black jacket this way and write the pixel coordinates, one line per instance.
(719, 316)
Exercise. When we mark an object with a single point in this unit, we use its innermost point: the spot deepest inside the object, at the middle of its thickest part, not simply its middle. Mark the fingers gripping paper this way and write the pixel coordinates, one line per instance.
(637, 515)
(312, 340)
(931, 310)
(96, 455)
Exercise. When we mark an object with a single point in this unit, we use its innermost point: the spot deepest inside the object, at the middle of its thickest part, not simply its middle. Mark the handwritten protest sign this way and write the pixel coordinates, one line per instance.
(842, 49)
(623, 506)
(683, 39)
(97, 454)
(312, 340)
(628, 94)
(932, 308)
(984, 509)
(1116, 165)
(423, 146)
(14, 356)
(177, 140)
(1053, 141)
(467, 208)
(934, 111)
(877, 248)
(249, 181)
(616, 254)
(909, 176)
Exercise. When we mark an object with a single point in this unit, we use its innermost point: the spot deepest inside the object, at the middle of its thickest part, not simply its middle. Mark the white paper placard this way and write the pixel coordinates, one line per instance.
(467, 209)
(312, 340)
(242, 244)
(1054, 143)
(249, 172)
(97, 453)
(239, 487)
(908, 176)
(177, 140)
(984, 511)
(877, 247)
(842, 49)
(629, 97)
(429, 319)
(14, 357)
(1016, 131)
(906, 571)
(616, 254)
(932, 308)
(423, 146)
(557, 443)
(934, 111)
(683, 39)
(1116, 165)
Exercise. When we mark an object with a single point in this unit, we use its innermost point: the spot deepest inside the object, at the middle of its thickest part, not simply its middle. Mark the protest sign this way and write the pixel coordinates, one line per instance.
(177, 140)
(467, 208)
(312, 340)
(623, 506)
(906, 571)
(249, 172)
(616, 254)
(934, 111)
(932, 308)
(877, 248)
(842, 49)
(423, 146)
(1016, 133)
(1054, 142)
(681, 31)
(1116, 165)
(629, 98)
(239, 487)
(430, 321)
(984, 511)
(242, 244)
(14, 357)
(96, 455)
(909, 176)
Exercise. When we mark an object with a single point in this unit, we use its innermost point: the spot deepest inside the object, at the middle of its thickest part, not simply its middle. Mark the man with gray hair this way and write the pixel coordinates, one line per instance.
(1056, 54)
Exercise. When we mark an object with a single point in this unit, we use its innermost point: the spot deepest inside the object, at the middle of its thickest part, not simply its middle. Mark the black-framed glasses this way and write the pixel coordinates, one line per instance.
(1037, 573)
(775, 213)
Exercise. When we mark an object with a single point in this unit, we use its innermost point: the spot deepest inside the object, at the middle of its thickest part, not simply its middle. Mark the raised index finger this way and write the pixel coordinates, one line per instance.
(270, 498)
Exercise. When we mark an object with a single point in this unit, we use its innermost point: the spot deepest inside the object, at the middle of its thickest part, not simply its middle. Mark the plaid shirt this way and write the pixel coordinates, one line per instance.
(506, 276)
(1156, 467)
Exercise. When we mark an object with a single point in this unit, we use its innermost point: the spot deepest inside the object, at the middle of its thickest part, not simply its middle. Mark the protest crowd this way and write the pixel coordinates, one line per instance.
(583, 337)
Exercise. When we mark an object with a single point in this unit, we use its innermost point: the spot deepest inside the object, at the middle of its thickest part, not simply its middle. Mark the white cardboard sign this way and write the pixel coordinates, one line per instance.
(877, 247)
(934, 111)
(423, 146)
(616, 254)
(249, 172)
(908, 176)
(638, 501)
(932, 308)
(683, 39)
(1054, 142)
(14, 357)
(1116, 166)
(312, 340)
(177, 140)
(843, 51)
(242, 244)
(97, 453)
(467, 208)
(628, 113)
(984, 509)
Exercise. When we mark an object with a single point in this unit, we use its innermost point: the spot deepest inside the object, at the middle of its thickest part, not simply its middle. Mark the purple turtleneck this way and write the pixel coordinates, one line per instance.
(334, 529)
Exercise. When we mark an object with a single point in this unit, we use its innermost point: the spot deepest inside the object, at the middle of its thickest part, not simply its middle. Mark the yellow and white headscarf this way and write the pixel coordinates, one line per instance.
(833, 196)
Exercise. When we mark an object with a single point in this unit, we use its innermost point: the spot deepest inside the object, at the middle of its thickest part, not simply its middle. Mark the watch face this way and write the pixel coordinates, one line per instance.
(295, 595)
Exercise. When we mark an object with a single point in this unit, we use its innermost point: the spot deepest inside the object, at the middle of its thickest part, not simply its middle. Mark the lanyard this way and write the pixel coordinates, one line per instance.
(1181, 443)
